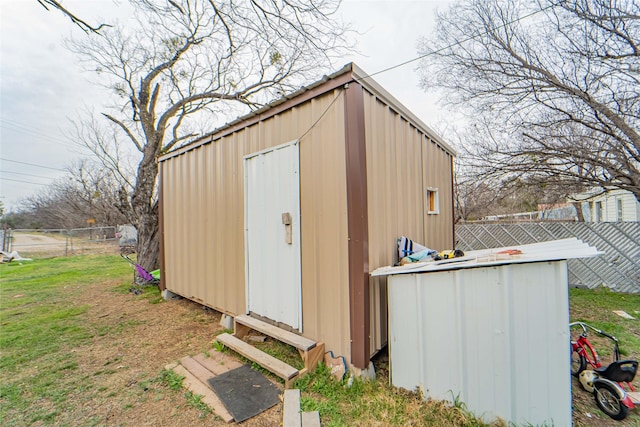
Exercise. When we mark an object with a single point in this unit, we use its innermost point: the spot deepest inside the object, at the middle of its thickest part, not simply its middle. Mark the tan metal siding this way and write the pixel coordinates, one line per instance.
(203, 232)
(401, 164)
(203, 204)
(203, 196)
(325, 289)
(438, 173)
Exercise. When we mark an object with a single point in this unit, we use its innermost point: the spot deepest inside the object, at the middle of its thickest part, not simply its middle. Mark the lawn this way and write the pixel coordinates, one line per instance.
(596, 308)
(78, 349)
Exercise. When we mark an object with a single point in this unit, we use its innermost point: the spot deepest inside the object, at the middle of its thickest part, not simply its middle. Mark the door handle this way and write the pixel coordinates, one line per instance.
(286, 220)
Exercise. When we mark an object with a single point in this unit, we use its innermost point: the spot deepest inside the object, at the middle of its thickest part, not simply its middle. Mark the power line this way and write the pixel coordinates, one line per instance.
(31, 164)
(402, 64)
(26, 174)
(19, 127)
(322, 115)
(24, 182)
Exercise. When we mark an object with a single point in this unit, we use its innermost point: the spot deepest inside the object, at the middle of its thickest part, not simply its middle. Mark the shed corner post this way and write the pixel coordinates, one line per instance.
(452, 189)
(162, 285)
(357, 226)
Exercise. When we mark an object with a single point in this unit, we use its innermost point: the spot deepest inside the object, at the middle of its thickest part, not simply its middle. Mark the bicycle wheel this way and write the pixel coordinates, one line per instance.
(578, 363)
(608, 401)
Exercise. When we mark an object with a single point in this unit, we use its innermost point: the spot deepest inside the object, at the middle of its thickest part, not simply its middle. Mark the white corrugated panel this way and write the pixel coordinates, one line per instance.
(272, 260)
(562, 249)
(495, 338)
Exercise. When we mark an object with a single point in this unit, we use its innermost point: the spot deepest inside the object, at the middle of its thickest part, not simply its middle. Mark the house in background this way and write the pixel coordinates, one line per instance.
(283, 213)
(612, 205)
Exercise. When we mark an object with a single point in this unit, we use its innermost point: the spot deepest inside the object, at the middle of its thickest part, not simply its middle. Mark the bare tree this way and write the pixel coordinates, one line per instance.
(185, 61)
(554, 87)
(86, 27)
(88, 191)
(482, 190)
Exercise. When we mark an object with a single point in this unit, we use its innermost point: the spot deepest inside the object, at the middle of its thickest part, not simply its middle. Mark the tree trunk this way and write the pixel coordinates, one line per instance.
(146, 210)
(578, 206)
(148, 242)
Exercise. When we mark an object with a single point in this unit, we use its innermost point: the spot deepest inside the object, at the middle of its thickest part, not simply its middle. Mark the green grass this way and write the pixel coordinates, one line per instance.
(40, 327)
(195, 401)
(171, 379)
(361, 402)
(595, 307)
(281, 351)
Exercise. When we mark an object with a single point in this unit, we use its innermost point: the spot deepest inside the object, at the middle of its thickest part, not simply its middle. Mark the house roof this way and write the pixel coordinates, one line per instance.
(347, 74)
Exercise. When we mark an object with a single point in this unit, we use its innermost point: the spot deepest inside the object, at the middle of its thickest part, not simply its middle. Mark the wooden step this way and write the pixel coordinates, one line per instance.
(196, 386)
(278, 367)
(287, 337)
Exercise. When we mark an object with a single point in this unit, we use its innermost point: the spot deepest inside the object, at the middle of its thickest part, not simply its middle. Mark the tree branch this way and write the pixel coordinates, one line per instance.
(126, 130)
(79, 22)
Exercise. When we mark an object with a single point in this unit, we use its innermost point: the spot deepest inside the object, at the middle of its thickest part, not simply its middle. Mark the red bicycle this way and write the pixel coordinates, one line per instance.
(583, 353)
(605, 382)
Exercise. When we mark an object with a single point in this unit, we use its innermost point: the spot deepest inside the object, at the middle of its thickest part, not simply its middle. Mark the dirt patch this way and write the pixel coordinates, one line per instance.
(134, 340)
(23, 243)
(40, 245)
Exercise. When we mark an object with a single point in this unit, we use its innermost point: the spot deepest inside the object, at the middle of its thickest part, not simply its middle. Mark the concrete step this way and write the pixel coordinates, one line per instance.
(310, 419)
(291, 415)
(291, 412)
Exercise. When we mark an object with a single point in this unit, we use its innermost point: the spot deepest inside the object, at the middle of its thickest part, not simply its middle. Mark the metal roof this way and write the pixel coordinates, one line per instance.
(555, 250)
(357, 75)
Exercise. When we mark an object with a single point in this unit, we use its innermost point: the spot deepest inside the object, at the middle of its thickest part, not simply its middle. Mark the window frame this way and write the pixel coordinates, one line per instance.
(620, 209)
(432, 201)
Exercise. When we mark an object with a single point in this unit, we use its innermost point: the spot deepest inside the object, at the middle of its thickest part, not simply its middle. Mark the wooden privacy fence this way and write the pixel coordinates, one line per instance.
(618, 268)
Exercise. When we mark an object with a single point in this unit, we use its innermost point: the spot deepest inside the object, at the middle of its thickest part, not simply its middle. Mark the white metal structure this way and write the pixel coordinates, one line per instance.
(492, 333)
(272, 234)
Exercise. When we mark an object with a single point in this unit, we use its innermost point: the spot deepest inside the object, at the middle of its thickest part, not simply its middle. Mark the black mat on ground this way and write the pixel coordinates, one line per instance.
(245, 392)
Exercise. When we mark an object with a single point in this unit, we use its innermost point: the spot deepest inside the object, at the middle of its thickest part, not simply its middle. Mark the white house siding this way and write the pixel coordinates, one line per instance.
(609, 203)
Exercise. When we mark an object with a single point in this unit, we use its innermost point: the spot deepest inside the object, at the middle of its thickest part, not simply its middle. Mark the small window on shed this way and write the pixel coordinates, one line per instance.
(433, 203)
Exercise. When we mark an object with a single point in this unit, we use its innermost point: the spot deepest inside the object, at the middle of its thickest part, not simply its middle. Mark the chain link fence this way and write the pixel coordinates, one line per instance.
(46, 243)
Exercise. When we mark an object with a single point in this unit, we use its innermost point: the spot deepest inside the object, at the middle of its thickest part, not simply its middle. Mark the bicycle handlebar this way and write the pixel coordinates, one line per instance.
(584, 327)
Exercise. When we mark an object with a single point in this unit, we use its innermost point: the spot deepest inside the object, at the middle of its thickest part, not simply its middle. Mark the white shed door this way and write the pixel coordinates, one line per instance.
(272, 234)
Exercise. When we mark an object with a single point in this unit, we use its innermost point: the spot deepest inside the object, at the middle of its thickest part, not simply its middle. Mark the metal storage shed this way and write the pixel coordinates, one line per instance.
(490, 332)
(283, 213)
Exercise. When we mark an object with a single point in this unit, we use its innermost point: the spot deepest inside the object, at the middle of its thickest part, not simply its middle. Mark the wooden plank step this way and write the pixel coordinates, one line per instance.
(311, 419)
(291, 411)
(290, 338)
(194, 385)
(199, 371)
(217, 362)
(278, 367)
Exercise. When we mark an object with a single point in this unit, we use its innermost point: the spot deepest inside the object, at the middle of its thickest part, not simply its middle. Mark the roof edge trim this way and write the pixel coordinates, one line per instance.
(367, 81)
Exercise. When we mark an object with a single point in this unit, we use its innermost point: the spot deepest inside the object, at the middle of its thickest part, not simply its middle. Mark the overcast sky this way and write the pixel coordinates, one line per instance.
(42, 87)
